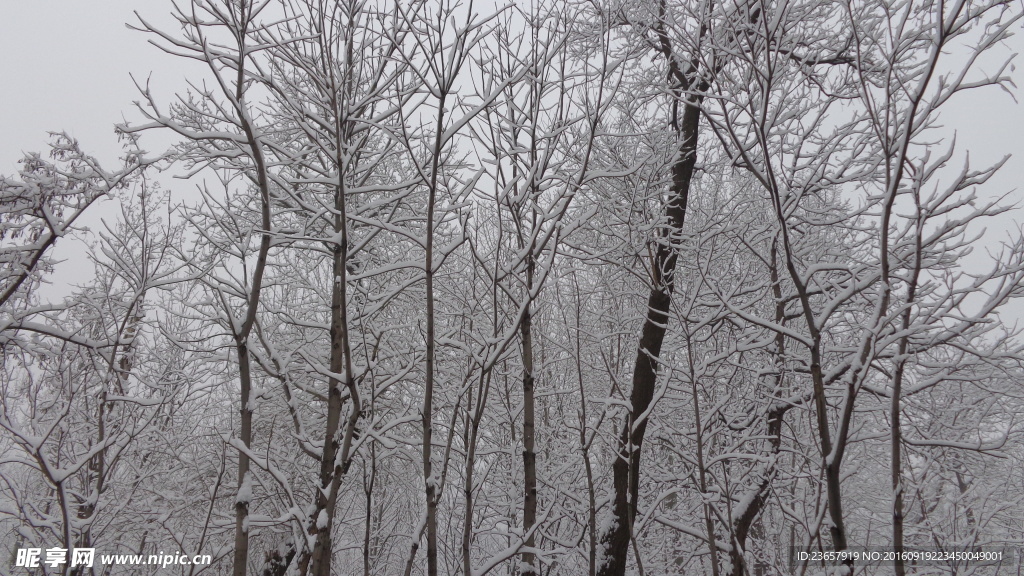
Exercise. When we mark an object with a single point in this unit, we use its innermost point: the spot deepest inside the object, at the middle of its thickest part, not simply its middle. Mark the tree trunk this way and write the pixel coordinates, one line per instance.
(896, 458)
(626, 469)
(429, 481)
(776, 412)
(241, 558)
(709, 525)
(529, 453)
(336, 457)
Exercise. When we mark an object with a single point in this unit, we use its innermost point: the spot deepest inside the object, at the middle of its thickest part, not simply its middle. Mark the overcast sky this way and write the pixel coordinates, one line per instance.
(66, 65)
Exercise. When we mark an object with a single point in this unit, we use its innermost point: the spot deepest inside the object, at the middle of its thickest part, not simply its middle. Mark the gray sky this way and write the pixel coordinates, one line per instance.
(66, 66)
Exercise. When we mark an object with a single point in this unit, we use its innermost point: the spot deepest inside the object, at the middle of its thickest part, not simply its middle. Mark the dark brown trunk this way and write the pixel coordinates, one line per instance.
(897, 476)
(337, 441)
(241, 558)
(369, 549)
(744, 521)
(626, 469)
(430, 481)
(896, 458)
(529, 450)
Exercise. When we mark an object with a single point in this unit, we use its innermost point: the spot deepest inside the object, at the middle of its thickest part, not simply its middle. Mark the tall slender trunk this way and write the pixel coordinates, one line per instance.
(246, 409)
(896, 436)
(429, 481)
(709, 526)
(584, 442)
(368, 484)
(241, 558)
(529, 450)
(776, 412)
(831, 453)
(97, 467)
(626, 468)
(241, 337)
(333, 467)
(470, 439)
(896, 467)
(337, 455)
(744, 521)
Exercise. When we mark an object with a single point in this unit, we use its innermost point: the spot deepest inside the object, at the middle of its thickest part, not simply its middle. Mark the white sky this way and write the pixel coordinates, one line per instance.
(65, 65)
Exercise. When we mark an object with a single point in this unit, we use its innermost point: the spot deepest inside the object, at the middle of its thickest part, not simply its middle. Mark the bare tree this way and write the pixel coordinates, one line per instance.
(89, 404)
(220, 131)
(878, 146)
(573, 288)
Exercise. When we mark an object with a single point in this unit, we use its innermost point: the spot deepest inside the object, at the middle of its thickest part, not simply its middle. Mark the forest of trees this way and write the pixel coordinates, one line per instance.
(543, 288)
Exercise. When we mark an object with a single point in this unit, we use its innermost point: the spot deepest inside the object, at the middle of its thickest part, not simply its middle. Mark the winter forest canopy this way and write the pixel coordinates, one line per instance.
(548, 288)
